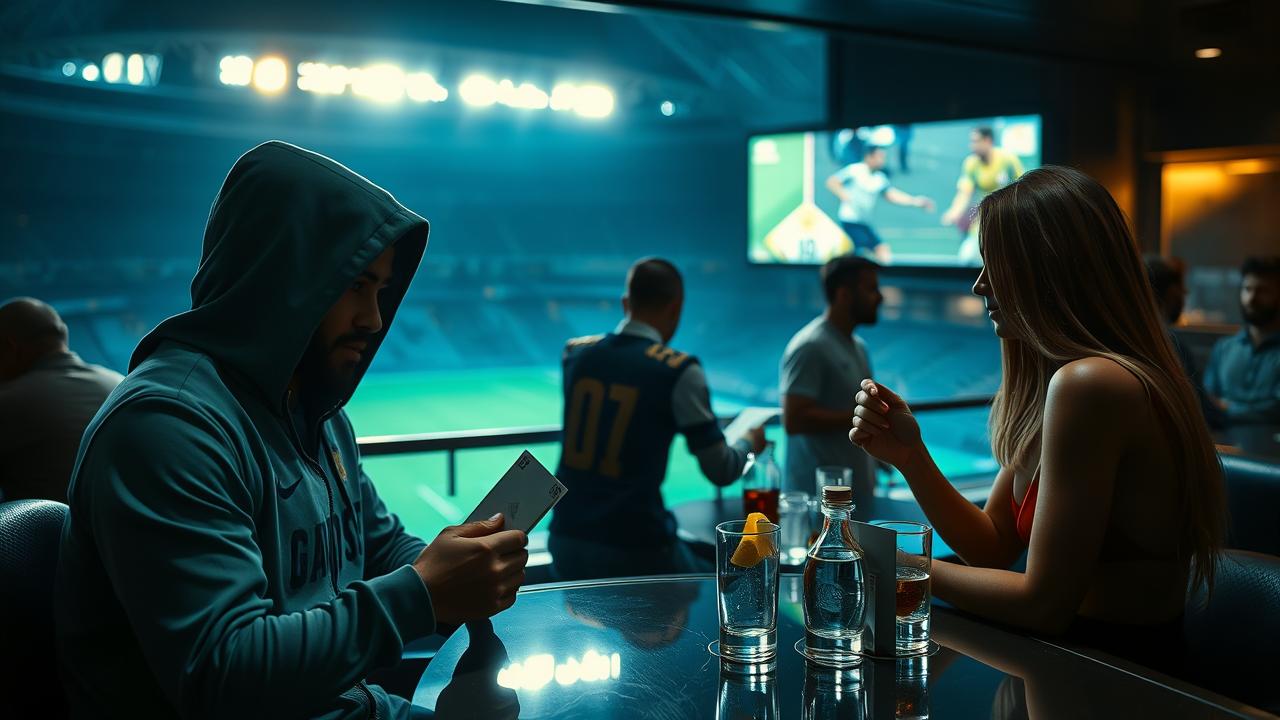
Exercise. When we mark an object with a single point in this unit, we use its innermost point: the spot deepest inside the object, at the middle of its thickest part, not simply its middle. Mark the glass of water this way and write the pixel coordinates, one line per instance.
(795, 516)
(747, 588)
(833, 475)
(915, 558)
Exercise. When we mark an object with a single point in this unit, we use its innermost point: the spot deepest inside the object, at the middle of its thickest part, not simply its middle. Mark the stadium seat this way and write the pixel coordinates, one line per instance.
(1231, 639)
(30, 531)
(1253, 501)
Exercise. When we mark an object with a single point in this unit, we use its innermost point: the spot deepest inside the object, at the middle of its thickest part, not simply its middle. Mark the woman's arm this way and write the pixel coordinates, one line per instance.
(885, 427)
(1087, 421)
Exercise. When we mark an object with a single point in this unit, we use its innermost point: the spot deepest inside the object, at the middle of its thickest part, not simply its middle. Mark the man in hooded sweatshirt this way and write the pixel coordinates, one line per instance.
(225, 555)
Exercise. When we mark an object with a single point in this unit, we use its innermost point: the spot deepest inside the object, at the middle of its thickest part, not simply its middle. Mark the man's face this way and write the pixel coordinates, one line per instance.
(980, 144)
(875, 159)
(1260, 299)
(673, 315)
(343, 337)
(865, 298)
(1173, 302)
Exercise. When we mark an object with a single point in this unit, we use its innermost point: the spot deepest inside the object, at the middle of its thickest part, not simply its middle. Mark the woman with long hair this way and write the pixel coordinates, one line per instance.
(1109, 480)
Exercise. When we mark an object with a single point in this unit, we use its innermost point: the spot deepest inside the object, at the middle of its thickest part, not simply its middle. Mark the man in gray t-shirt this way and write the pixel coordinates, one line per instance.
(820, 375)
(47, 397)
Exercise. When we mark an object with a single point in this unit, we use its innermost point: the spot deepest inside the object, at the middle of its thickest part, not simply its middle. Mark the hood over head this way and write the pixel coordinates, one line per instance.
(289, 232)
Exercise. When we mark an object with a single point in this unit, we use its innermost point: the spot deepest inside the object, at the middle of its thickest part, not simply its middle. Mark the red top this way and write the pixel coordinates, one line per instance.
(1023, 514)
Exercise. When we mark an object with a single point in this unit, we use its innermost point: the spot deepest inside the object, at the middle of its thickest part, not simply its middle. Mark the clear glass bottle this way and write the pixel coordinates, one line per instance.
(834, 590)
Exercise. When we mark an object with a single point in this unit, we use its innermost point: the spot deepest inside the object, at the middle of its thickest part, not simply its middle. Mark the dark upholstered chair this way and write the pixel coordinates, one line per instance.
(1233, 642)
(1253, 499)
(29, 534)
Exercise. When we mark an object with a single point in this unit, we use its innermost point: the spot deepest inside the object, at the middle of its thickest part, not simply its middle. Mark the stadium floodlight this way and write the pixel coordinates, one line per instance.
(563, 96)
(68, 69)
(422, 87)
(134, 70)
(323, 79)
(594, 101)
(113, 67)
(525, 96)
(153, 65)
(270, 74)
(589, 101)
(478, 90)
(380, 83)
(89, 72)
(235, 70)
(667, 108)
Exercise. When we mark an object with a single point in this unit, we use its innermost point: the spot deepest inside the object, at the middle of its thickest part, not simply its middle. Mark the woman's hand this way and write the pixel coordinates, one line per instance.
(883, 425)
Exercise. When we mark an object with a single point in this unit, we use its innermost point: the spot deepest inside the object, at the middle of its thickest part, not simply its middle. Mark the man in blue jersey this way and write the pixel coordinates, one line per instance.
(626, 395)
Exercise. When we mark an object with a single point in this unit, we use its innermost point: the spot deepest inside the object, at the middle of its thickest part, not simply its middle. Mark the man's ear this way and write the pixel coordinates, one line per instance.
(674, 310)
(626, 305)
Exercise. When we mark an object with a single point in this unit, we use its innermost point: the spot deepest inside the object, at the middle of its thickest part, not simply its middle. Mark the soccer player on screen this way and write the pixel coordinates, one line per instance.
(858, 186)
(986, 169)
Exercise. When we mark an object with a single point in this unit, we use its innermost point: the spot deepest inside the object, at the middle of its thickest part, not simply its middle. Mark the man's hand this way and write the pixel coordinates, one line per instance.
(756, 437)
(473, 571)
(925, 203)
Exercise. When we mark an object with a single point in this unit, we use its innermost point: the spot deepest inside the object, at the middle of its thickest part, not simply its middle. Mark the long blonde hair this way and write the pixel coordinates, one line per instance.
(1070, 285)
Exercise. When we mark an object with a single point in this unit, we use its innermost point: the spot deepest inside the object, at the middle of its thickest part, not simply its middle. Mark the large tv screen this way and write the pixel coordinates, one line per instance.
(898, 194)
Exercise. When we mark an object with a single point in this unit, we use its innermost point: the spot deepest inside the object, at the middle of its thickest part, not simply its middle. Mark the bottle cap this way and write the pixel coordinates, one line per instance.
(837, 495)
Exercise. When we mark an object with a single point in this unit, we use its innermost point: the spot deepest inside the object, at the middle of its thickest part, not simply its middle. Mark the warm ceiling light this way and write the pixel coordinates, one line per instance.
(1252, 166)
(1208, 53)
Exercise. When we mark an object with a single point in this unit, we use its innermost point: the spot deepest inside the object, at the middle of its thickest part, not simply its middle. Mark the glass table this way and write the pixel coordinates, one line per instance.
(638, 648)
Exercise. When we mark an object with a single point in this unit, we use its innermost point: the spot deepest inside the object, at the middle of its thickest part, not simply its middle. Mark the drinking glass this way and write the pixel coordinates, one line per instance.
(747, 589)
(795, 515)
(914, 562)
(833, 475)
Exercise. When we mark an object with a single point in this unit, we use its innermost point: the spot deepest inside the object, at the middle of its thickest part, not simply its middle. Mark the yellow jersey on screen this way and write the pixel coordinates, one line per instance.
(1001, 168)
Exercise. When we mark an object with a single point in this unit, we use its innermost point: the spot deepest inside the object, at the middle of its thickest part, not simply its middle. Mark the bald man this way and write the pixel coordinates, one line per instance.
(48, 395)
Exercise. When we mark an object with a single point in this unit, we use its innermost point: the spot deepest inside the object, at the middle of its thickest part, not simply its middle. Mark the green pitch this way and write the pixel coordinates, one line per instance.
(415, 486)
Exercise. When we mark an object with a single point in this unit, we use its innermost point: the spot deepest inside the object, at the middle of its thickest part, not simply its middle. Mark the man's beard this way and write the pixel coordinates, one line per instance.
(864, 316)
(322, 383)
(1260, 317)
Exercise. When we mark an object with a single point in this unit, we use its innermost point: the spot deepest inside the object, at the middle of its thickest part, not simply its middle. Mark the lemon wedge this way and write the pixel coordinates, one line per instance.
(754, 548)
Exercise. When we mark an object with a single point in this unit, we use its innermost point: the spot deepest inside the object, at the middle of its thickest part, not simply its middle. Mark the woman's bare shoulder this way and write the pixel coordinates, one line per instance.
(1095, 385)
(1095, 373)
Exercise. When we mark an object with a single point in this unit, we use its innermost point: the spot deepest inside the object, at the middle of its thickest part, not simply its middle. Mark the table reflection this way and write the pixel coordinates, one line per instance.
(746, 694)
(649, 620)
(833, 693)
(638, 649)
(476, 688)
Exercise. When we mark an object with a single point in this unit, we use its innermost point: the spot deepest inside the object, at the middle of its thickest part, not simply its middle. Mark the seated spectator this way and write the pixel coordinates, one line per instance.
(225, 554)
(1109, 480)
(1243, 374)
(1168, 278)
(47, 397)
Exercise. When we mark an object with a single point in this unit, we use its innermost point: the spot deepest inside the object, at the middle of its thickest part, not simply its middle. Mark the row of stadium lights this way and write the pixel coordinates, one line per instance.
(388, 83)
(135, 69)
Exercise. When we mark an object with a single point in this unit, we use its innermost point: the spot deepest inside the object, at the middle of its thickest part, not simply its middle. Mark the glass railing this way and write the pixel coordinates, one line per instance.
(435, 479)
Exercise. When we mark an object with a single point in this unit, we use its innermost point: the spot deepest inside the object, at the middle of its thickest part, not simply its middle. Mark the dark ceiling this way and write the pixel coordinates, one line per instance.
(1152, 33)
(1149, 33)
